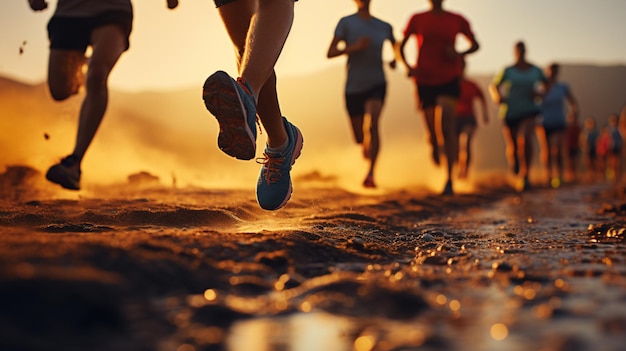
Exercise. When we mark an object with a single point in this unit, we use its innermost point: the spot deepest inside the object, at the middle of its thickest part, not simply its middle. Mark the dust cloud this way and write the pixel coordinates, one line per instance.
(171, 136)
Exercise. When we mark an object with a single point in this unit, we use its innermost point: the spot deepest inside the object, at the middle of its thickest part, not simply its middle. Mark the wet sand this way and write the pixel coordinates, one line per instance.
(193, 269)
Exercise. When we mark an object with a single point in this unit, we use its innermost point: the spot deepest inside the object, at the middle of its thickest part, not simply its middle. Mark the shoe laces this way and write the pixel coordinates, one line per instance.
(271, 167)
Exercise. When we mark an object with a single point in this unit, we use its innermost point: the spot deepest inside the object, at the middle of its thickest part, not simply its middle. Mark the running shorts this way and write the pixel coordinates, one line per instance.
(74, 33)
(355, 103)
(428, 94)
(219, 3)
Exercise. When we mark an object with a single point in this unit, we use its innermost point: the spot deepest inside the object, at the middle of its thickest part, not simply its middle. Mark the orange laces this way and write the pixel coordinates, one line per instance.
(271, 167)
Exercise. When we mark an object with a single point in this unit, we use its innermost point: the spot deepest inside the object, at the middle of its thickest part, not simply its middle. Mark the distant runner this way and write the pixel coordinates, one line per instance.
(361, 37)
(437, 76)
(516, 89)
(466, 120)
(551, 130)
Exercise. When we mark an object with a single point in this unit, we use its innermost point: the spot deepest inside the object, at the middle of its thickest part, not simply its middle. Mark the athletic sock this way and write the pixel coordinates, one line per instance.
(279, 149)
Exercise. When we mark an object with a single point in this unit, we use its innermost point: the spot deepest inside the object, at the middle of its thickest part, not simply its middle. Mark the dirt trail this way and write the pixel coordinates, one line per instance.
(207, 270)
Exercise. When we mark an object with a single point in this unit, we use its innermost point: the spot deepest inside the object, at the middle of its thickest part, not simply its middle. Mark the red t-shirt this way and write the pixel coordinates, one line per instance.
(572, 136)
(465, 104)
(436, 35)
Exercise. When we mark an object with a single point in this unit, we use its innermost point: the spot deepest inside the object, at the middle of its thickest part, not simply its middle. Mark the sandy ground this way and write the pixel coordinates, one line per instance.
(193, 269)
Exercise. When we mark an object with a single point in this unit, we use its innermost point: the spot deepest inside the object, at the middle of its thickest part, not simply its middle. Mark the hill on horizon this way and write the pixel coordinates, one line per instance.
(170, 134)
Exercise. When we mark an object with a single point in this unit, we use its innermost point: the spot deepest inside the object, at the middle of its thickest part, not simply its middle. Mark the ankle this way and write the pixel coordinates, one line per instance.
(278, 148)
(248, 89)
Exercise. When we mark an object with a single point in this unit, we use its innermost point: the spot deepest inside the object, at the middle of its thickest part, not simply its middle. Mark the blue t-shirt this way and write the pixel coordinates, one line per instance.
(519, 85)
(365, 68)
(553, 106)
(592, 137)
(616, 139)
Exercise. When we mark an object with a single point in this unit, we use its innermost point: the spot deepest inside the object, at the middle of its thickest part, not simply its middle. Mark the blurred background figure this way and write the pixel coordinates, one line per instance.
(622, 130)
(466, 120)
(615, 144)
(516, 89)
(573, 136)
(589, 140)
(437, 76)
(361, 37)
(556, 102)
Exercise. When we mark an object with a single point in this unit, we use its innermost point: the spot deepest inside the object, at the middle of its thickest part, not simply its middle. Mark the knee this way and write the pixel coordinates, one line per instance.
(97, 79)
(59, 94)
(61, 90)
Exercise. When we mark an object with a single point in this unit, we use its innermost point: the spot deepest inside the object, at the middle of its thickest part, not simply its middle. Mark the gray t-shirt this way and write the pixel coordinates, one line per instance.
(89, 8)
(365, 68)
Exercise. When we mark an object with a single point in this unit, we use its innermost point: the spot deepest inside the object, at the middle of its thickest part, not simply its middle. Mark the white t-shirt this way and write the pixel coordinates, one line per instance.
(365, 68)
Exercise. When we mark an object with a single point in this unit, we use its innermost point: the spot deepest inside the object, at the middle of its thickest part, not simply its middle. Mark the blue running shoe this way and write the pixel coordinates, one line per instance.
(232, 103)
(66, 173)
(273, 188)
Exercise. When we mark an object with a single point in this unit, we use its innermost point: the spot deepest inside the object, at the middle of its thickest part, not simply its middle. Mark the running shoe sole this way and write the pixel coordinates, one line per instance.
(221, 97)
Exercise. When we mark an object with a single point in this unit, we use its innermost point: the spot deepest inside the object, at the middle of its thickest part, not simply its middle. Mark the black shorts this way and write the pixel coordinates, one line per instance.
(219, 3)
(428, 94)
(74, 33)
(355, 103)
(515, 122)
(552, 130)
(465, 121)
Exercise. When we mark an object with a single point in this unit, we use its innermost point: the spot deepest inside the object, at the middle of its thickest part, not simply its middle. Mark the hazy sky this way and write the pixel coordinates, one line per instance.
(171, 49)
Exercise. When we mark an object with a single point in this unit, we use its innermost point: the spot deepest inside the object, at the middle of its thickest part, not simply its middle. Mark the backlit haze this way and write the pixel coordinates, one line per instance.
(178, 48)
(174, 51)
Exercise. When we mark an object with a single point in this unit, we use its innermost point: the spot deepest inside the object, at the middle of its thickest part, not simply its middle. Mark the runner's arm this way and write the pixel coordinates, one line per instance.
(483, 105)
(410, 70)
(494, 88)
(474, 46)
(394, 45)
(361, 44)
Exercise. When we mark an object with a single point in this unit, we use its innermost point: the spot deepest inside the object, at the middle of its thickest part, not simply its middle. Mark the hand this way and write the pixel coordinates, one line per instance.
(171, 4)
(450, 53)
(362, 43)
(38, 5)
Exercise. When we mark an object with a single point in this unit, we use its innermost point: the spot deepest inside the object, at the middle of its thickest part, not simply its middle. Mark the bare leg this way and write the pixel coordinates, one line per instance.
(544, 151)
(108, 45)
(465, 152)
(374, 109)
(259, 30)
(510, 137)
(429, 121)
(447, 121)
(357, 122)
(525, 146)
(65, 73)
(556, 154)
